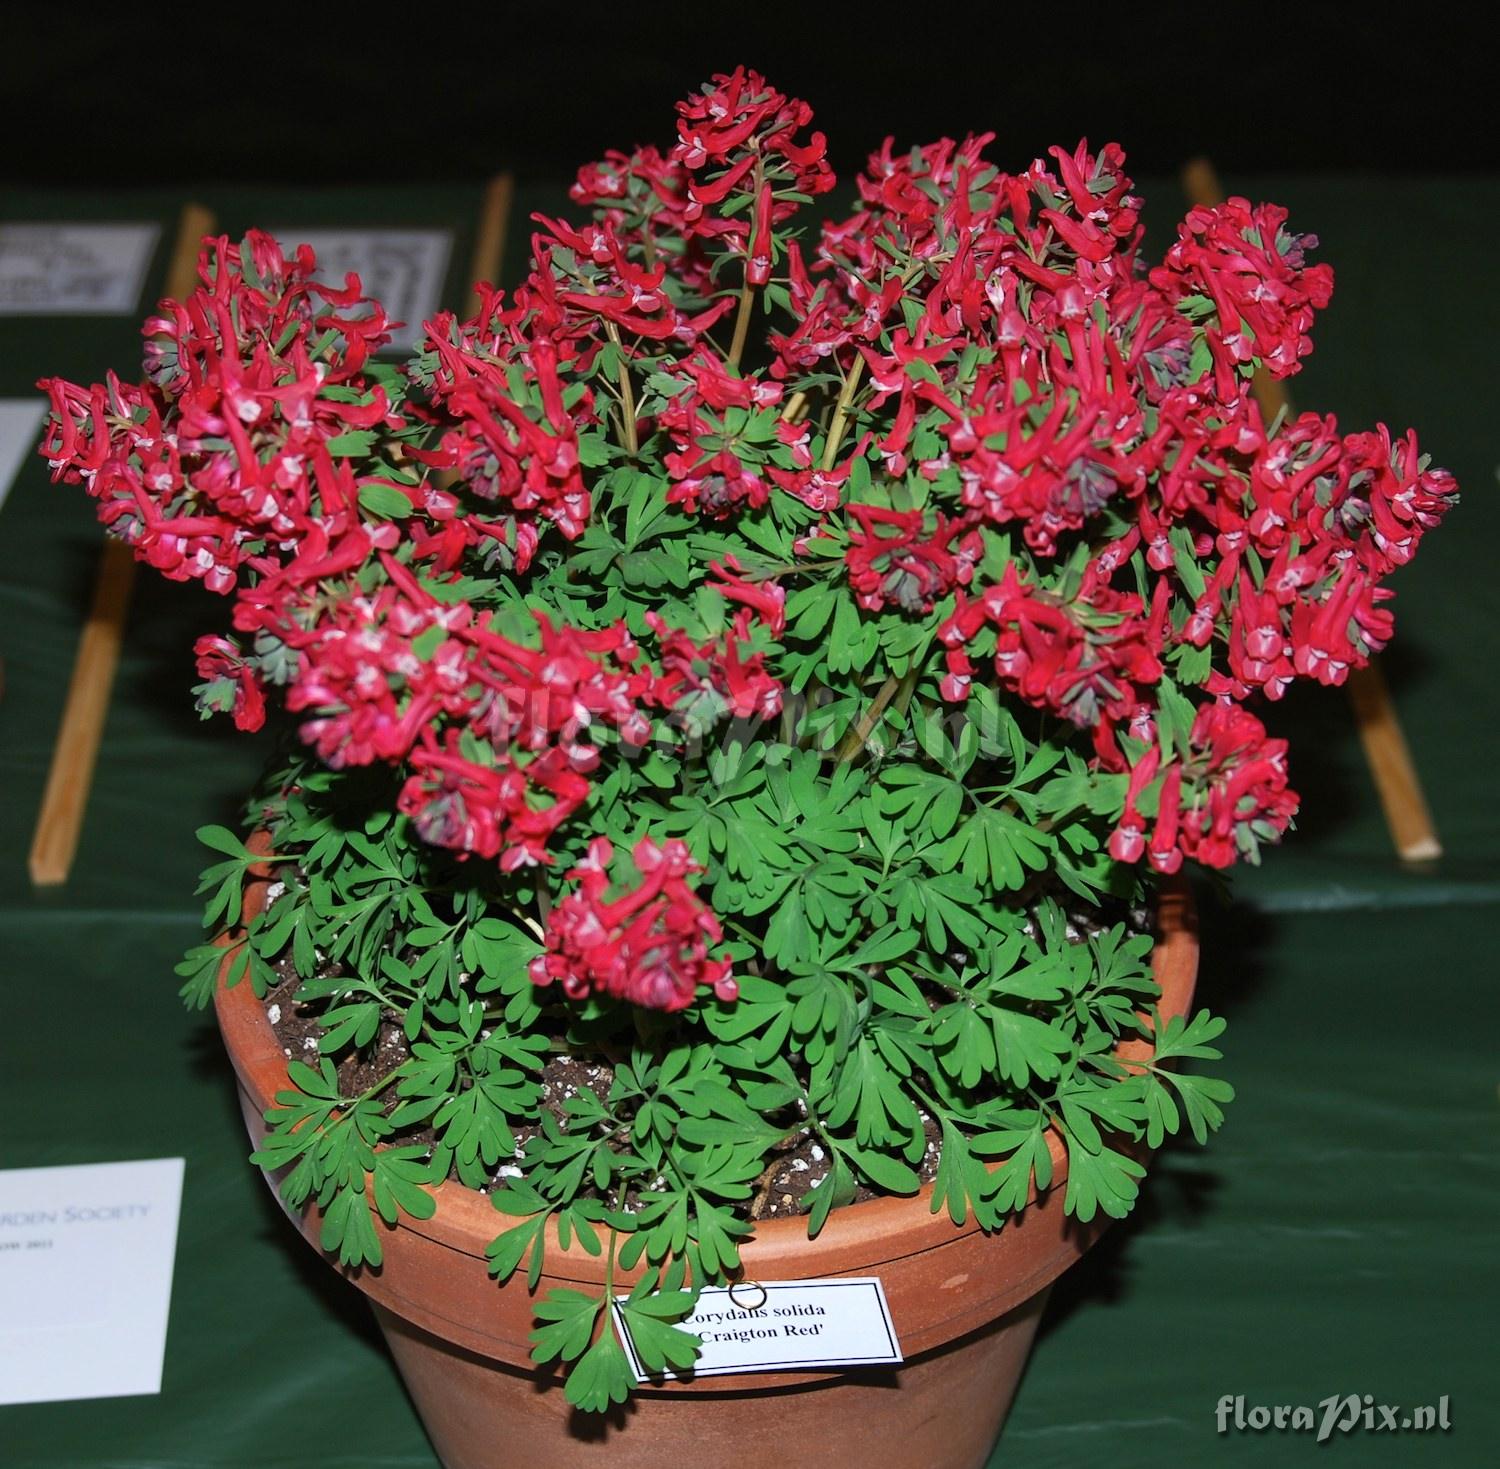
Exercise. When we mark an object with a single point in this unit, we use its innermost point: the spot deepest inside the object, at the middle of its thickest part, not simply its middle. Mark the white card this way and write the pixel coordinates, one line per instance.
(74, 269)
(20, 433)
(86, 1278)
(402, 269)
(787, 1326)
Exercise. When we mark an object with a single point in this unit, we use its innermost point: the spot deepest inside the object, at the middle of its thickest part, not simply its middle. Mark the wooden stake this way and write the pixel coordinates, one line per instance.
(489, 242)
(1389, 758)
(1407, 816)
(55, 840)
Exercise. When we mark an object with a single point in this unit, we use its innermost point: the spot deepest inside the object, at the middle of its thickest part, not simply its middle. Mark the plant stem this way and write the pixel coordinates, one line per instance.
(742, 324)
(796, 405)
(747, 291)
(740, 928)
(343, 1109)
(608, 1314)
(841, 413)
(627, 394)
(860, 731)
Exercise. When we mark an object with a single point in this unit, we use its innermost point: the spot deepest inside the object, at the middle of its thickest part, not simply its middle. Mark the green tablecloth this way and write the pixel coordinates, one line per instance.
(1339, 1236)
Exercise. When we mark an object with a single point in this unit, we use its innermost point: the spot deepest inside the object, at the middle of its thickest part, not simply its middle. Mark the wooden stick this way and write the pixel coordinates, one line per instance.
(55, 840)
(1389, 758)
(489, 241)
(1407, 816)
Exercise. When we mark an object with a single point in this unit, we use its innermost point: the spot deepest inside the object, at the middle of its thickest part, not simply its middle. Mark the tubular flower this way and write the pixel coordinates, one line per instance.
(702, 682)
(1254, 271)
(981, 439)
(893, 558)
(648, 944)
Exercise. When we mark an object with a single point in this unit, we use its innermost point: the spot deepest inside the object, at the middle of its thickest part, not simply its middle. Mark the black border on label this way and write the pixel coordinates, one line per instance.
(893, 1358)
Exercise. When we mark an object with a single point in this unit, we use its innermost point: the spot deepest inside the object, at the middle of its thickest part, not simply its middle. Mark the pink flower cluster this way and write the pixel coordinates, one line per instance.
(1089, 658)
(1217, 804)
(1254, 271)
(512, 432)
(648, 944)
(499, 378)
(895, 559)
(714, 466)
(642, 197)
(1022, 362)
(973, 403)
(225, 460)
(498, 736)
(700, 682)
(235, 463)
(740, 135)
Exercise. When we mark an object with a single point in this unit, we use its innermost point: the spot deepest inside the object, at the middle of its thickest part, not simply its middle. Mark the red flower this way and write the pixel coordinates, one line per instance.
(1090, 660)
(758, 251)
(1128, 842)
(490, 810)
(1254, 271)
(818, 489)
(739, 136)
(213, 470)
(524, 452)
(700, 682)
(738, 115)
(497, 732)
(230, 684)
(718, 484)
(1258, 644)
(766, 599)
(1234, 792)
(1166, 854)
(1330, 636)
(1393, 497)
(1050, 463)
(893, 559)
(648, 944)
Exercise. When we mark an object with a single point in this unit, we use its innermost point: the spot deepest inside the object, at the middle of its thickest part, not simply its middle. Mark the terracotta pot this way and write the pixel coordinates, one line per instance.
(965, 1306)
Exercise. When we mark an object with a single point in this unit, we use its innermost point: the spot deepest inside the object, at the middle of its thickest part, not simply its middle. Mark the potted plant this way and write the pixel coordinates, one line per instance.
(752, 693)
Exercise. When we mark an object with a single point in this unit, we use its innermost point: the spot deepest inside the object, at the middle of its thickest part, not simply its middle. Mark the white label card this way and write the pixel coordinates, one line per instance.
(74, 269)
(402, 269)
(20, 433)
(86, 1278)
(787, 1326)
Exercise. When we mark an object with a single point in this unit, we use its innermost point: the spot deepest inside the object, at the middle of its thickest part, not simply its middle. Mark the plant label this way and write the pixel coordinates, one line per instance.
(20, 431)
(86, 1278)
(73, 269)
(402, 269)
(785, 1326)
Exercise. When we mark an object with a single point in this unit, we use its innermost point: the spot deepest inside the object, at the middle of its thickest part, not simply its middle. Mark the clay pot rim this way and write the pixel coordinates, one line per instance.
(880, 1230)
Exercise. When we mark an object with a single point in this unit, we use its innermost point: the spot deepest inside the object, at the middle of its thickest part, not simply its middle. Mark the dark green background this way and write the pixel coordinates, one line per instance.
(1338, 1236)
